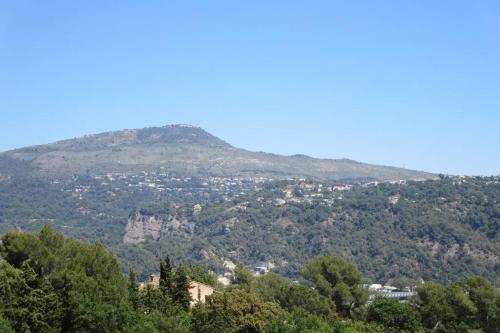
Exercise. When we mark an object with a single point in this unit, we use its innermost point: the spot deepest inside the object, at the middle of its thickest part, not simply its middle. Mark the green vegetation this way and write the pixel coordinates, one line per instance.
(473, 302)
(443, 230)
(50, 283)
(338, 281)
(394, 316)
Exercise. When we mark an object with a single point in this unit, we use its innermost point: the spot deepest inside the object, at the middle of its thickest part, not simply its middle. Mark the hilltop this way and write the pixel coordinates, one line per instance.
(182, 149)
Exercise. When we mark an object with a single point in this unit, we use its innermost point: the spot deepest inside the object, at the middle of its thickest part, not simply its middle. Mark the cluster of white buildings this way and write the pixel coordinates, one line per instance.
(379, 290)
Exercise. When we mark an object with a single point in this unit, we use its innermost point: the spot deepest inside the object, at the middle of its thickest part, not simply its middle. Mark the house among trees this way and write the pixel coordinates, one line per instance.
(378, 290)
(198, 291)
(262, 268)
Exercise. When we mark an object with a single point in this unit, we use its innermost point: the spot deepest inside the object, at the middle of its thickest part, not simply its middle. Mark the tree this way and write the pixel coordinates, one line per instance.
(431, 302)
(166, 276)
(444, 309)
(243, 275)
(357, 327)
(486, 299)
(157, 313)
(5, 325)
(200, 319)
(493, 323)
(133, 289)
(28, 301)
(153, 299)
(201, 273)
(50, 283)
(180, 292)
(393, 315)
(236, 310)
(175, 321)
(337, 280)
(298, 321)
(275, 288)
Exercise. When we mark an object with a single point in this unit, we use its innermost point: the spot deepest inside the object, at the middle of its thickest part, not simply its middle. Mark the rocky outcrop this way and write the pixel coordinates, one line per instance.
(143, 226)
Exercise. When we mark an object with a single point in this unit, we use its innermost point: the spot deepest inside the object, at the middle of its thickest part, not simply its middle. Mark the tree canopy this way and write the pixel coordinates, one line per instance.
(51, 283)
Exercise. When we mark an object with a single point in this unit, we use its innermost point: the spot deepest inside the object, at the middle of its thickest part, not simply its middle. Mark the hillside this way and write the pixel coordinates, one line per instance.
(181, 149)
(182, 190)
(442, 230)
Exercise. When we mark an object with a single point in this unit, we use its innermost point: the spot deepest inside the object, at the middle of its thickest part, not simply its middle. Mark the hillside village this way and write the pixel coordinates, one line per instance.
(202, 188)
(205, 188)
(161, 182)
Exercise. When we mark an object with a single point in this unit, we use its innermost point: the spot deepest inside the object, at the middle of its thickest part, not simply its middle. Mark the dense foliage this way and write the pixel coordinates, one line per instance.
(49, 283)
(443, 230)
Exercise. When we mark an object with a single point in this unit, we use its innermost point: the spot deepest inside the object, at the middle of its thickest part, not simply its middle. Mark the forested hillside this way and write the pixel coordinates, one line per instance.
(442, 230)
(49, 283)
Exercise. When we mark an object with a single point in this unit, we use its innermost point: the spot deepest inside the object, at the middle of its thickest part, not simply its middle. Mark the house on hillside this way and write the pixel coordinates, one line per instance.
(154, 281)
(262, 268)
(198, 291)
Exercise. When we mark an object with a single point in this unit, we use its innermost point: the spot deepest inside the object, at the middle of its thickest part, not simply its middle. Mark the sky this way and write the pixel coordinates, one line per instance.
(412, 84)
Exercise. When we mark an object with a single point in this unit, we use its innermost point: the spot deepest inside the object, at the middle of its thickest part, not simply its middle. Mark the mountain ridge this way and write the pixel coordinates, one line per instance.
(187, 149)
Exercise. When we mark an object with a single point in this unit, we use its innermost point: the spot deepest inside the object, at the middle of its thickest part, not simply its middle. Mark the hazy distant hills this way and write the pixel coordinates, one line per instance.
(182, 149)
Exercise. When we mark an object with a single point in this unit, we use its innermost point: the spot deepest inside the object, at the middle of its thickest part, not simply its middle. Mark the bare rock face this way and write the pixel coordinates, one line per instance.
(141, 227)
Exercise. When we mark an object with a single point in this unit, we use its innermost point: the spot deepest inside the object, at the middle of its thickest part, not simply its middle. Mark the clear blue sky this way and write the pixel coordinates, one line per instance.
(403, 83)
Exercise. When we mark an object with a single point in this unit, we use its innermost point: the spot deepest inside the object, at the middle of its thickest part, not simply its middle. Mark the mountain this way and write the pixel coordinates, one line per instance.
(185, 150)
(181, 190)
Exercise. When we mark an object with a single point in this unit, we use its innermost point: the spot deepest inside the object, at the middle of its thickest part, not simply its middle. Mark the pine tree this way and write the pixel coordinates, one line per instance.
(133, 288)
(180, 292)
(166, 276)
